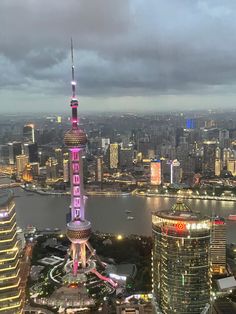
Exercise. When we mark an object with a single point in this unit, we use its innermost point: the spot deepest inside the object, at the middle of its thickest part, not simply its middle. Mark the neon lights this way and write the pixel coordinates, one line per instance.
(76, 202)
(180, 226)
(75, 167)
(76, 190)
(75, 154)
(76, 179)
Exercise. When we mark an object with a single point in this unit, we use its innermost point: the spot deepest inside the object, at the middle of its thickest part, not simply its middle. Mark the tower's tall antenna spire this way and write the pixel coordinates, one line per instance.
(73, 83)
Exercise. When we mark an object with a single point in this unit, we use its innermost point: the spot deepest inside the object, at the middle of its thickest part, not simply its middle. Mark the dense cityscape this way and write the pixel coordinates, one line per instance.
(181, 156)
(120, 199)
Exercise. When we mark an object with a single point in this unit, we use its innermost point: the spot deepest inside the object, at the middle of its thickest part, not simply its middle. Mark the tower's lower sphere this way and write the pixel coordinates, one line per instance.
(78, 231)
(75, 138)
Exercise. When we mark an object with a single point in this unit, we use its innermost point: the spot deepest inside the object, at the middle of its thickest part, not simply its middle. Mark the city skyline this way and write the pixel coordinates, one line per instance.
(164, 56)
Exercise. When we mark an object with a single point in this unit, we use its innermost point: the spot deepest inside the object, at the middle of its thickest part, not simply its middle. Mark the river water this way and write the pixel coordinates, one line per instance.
(107, 214)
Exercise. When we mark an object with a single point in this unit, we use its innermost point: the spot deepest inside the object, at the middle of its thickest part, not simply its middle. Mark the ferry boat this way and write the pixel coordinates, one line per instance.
(130, 217)
(232, 217)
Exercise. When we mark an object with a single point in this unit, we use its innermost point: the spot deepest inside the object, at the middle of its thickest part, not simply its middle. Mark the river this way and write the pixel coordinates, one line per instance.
(107, 214)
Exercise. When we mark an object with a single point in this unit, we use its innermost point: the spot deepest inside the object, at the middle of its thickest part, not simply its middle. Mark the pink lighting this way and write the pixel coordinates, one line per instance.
(76, 190)
(76, 202)
(75, 267)
(75, 155)
(75, 167)
(76, 179)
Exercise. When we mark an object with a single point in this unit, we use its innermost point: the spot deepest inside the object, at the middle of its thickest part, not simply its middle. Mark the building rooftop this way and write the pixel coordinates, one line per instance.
(226, 283)
(5, 197)
(179, 211)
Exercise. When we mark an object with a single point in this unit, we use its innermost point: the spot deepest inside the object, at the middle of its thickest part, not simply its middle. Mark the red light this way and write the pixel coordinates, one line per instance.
(219, 222)
(180, 226)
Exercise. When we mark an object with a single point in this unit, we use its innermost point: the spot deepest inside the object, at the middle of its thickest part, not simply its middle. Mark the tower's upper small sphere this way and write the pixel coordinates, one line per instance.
(75, 138)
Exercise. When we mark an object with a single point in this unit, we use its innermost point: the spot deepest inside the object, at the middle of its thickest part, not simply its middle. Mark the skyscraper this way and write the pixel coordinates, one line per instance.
(114, 155)
(155, 167)
(218, 246)
(15, 149)
(99, 169)
(10, 294)
(21, 162)
(175, 172)
(28, 133)
(181, 260)
(209, 156)
(52, 169)
(31, 150)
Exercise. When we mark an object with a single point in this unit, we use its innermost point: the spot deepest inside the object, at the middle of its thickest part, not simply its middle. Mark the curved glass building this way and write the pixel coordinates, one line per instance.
(181, 261)
(10, 294)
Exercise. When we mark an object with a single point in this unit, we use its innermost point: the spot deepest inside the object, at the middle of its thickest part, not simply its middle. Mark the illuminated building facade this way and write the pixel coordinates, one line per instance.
(83, 256)
(21, 162)
(99, 169)
(218, 246)
(155, 166)
(10, 294)
(59, 157)
(114, 155)
(52, 169)
(181, 261)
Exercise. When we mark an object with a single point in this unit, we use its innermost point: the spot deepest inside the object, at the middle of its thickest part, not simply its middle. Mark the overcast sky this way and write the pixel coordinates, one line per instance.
(129, 54)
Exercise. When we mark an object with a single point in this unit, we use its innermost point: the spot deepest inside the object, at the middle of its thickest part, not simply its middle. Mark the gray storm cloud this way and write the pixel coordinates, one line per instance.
(123, 48)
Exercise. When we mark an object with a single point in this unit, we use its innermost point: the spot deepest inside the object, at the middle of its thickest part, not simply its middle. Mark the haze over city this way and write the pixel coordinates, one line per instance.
(129, 55)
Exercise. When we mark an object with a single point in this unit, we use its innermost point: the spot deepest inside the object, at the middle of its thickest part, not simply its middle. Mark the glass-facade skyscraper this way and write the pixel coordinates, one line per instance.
(181, 261)
(10, 294)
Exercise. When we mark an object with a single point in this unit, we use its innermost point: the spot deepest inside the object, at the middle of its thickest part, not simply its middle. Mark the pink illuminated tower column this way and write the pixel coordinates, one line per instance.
(78, 229)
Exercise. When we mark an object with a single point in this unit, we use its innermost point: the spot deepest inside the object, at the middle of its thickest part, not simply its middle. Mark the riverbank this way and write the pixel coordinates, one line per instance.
(189, 196)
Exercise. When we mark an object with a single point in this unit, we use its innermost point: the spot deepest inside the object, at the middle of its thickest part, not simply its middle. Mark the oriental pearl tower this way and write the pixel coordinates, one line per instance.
(78, 229)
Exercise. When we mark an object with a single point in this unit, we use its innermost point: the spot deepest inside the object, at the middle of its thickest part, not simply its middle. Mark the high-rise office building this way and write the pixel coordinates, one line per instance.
(4, 154)
(15, 149)
(28, 133)
(155, 166)
(52, 169)
(175, 172)
(35, 168)
(114, 155)
(66, 170)
(21, 162)
(10, 294)
(31, 150)
(181, 261)
(218, 246)
(99, 169)
(105, 144)
(209, 156)
(59, 157)
(126, 157)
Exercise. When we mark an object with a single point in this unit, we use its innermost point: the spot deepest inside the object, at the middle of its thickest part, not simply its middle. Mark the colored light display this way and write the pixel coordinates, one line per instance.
(156, 172)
